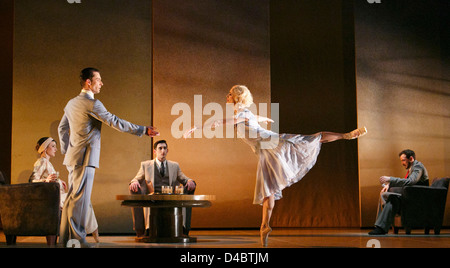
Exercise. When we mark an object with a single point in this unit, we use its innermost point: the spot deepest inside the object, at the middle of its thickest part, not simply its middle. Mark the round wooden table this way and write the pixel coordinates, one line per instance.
(166, 219)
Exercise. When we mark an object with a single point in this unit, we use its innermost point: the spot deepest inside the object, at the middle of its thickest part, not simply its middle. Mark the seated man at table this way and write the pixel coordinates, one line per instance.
(152, 175)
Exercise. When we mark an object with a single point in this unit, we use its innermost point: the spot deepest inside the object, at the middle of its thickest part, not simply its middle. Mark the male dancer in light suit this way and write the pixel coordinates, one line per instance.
(80, 134)
(151, 176)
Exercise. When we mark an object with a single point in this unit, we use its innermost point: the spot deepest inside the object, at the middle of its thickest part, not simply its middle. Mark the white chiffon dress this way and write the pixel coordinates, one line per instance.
(284, 159)
(41, 170)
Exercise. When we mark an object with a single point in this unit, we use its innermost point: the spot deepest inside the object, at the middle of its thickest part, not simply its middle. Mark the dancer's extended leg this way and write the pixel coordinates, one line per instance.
(333, 136)
(268, 204)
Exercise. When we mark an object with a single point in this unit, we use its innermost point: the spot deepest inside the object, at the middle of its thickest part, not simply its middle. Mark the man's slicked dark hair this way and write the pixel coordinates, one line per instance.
(158, 142)
(408, 153)
(87, 73)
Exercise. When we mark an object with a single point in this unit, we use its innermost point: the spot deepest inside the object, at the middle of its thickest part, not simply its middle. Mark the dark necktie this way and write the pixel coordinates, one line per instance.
(161, 171)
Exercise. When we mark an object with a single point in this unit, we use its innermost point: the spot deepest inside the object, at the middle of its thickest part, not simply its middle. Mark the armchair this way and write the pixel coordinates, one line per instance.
(30, 209)
(423, 207)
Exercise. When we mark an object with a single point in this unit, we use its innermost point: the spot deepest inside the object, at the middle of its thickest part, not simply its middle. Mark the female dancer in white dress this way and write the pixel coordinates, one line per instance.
(283, 164)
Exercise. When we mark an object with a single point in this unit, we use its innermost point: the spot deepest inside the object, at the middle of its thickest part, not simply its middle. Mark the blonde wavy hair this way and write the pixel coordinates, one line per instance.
(242, 97)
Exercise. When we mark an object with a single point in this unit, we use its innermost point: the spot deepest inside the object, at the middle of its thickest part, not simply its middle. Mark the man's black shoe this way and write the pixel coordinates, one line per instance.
(377, 231)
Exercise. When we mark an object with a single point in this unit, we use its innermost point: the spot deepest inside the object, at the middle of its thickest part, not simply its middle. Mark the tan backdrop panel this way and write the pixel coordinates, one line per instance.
(403, 93)
(54, 40)
(204, 47)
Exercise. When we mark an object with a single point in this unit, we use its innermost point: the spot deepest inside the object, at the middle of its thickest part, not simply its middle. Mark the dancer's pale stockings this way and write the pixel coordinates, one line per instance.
(330, 136)
(333, 136)
(96, 236)
(268, 204)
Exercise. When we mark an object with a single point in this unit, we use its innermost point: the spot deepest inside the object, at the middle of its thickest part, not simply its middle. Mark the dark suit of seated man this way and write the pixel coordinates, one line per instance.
(152, 175)
(416, 174)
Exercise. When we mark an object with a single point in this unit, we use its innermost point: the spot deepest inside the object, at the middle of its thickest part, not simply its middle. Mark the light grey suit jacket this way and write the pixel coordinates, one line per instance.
(80, 130)
(147, 172)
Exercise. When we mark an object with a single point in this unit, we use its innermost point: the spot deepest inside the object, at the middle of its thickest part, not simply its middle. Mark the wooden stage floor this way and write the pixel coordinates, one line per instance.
(279, 238)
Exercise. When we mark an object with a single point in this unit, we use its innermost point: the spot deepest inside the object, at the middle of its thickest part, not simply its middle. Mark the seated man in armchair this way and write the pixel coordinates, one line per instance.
(152, 175)
(390, 196)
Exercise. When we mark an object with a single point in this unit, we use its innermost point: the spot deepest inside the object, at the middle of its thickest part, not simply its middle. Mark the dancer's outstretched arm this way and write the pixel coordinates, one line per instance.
(215, 124)
(227, 121)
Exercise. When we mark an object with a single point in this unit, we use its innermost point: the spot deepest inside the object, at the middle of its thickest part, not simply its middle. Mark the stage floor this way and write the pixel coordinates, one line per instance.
(280, 238)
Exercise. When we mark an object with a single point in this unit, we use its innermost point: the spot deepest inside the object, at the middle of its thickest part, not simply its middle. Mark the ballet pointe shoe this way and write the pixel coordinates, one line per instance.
(357, 133)
(265, 236)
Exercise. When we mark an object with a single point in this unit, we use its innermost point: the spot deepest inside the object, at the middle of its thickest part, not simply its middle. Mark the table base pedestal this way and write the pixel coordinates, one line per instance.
(166, 226)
